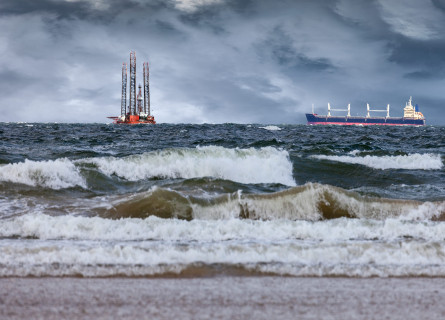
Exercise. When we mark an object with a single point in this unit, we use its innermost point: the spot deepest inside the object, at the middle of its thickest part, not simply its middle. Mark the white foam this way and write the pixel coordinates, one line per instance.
(271, 128)
(265, 165)
(414, 161)
(55, 174)
(46, 227)
(354, 152)
(69, 245)
(294, 257)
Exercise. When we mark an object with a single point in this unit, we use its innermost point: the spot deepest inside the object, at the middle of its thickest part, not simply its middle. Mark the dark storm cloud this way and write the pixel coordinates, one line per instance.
(220, 60)
(166, 27)
(423, 75)
(62, 9)
(280, 47)
(417, 53)
(208, 18)
(105, 10)
(440, 4)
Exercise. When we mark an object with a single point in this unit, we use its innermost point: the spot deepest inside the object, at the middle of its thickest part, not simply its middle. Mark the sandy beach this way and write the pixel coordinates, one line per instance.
(222, 298)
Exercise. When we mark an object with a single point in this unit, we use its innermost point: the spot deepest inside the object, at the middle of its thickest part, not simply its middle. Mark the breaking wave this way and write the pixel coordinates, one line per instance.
(302, 231)
(153, 246)
(311, 202)
(45, 227)
(265, 165)
(55, 174)
(54, 258)
(414, 161)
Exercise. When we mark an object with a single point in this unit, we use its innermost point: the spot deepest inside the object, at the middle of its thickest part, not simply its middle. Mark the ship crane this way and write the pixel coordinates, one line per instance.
(138, 110)
(343, 110)
(377, 110)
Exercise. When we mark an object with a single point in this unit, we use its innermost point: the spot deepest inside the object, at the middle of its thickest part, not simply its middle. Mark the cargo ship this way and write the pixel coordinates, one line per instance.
(411, 117)
(138, 112)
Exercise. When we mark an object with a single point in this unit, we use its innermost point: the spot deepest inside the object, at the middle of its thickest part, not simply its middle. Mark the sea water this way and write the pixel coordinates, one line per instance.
(99, 200)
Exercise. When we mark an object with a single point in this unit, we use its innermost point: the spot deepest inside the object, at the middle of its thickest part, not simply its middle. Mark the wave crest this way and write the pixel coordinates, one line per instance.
(265, 165)
(54, 174)
(414, 161)
(311, 202)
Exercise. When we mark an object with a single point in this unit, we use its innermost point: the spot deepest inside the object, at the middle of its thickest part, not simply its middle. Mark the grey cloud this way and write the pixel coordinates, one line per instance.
(418, 53)
(206, 18)
(61, 9)
(421, 75)
(439, 4)
(168, 28)
(11, 81)
(258, 85)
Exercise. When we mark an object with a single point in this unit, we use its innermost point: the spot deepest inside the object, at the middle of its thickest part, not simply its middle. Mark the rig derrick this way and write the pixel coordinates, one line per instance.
(138, 111)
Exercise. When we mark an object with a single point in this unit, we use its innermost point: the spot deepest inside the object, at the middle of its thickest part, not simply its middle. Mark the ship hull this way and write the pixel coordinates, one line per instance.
(314, 119)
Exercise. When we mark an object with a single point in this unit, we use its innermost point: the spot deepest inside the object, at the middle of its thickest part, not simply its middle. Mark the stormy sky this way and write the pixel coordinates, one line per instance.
(217, 61)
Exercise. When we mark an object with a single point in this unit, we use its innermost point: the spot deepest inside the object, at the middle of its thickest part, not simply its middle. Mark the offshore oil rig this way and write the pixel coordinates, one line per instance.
(136, 112)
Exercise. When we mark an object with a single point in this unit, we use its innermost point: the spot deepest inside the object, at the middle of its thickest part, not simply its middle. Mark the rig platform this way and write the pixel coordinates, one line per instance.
(138, 112)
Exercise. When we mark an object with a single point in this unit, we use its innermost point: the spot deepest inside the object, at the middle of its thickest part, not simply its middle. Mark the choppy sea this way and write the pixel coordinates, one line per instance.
(105, 200)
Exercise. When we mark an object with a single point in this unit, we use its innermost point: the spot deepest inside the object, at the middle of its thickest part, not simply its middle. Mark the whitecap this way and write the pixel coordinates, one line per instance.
(271, 128)
(265, 165)
(55, 174)
(414, 161)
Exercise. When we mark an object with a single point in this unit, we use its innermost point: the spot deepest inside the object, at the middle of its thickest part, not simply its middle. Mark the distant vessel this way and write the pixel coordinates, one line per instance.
(136, 113)
(411, 117)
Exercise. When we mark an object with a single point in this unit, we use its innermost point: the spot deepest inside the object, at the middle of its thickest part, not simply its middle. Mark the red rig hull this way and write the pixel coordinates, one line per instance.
(135, 119)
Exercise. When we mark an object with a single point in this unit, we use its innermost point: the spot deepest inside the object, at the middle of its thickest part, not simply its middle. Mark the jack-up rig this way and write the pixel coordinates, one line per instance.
(135, 113)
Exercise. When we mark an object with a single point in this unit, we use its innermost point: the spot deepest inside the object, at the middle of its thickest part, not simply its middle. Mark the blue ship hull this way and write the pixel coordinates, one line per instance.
(391, 121)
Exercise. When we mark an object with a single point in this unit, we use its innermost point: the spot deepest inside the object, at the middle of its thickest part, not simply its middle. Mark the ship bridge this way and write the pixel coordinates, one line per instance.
(410, 112)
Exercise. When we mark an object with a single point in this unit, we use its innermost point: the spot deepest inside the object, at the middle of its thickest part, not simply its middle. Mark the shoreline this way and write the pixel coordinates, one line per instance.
(222, 297)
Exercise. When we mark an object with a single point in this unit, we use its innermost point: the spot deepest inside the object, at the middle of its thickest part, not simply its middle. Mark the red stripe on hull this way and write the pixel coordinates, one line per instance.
(363, 124)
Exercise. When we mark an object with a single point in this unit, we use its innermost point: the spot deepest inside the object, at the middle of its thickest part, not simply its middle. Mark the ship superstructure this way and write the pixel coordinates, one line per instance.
(138, 111)
(410, 112)
(411, 117)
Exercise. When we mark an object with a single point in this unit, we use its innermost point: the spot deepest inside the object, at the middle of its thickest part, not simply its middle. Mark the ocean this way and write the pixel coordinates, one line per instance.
(210, 200)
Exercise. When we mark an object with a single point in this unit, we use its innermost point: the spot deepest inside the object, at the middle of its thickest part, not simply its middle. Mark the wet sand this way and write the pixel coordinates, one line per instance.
(222, 298)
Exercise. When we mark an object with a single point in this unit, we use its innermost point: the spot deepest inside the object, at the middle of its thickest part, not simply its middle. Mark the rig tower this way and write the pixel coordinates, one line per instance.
(138, 111)
(132, 83)
(124, 90)
(146, 89)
